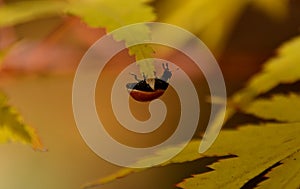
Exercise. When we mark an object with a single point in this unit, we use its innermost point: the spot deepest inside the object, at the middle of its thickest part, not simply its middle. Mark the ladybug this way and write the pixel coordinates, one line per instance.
(149, 89)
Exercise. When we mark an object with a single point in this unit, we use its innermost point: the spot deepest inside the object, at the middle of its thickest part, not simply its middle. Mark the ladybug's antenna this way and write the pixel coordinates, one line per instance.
(163, 65)
(135, 76)
(167, 65)
(175, 70)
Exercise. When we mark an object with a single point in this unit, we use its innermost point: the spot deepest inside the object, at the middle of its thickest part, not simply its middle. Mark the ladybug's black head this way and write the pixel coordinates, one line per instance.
(167, 73)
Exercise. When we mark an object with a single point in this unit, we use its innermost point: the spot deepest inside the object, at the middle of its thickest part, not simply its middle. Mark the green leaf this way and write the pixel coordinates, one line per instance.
(280, 107)
(284, 176)
(284, 68)
(250, 143)
(13, 128)
(281, 69)
(141, 53)
(24, 11)
(115, 14)
(257, 148)
(135, 34)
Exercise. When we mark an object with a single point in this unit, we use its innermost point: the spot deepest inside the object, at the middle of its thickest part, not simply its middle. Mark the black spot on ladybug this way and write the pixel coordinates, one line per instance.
(149, 89)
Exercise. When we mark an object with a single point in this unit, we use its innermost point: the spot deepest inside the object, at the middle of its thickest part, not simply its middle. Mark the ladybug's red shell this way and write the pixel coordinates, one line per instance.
(144, 96)
(141, 91)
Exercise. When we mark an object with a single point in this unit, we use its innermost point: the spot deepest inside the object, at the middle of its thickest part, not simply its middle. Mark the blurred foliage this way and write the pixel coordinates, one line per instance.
(24, 11)
(277, 10)
(13, 128)
(96, 13)
(213, 20)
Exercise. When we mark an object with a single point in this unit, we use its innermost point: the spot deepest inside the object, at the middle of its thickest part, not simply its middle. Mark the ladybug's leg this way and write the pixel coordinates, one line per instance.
(144, 76)
(135, 76)
(155, 74)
